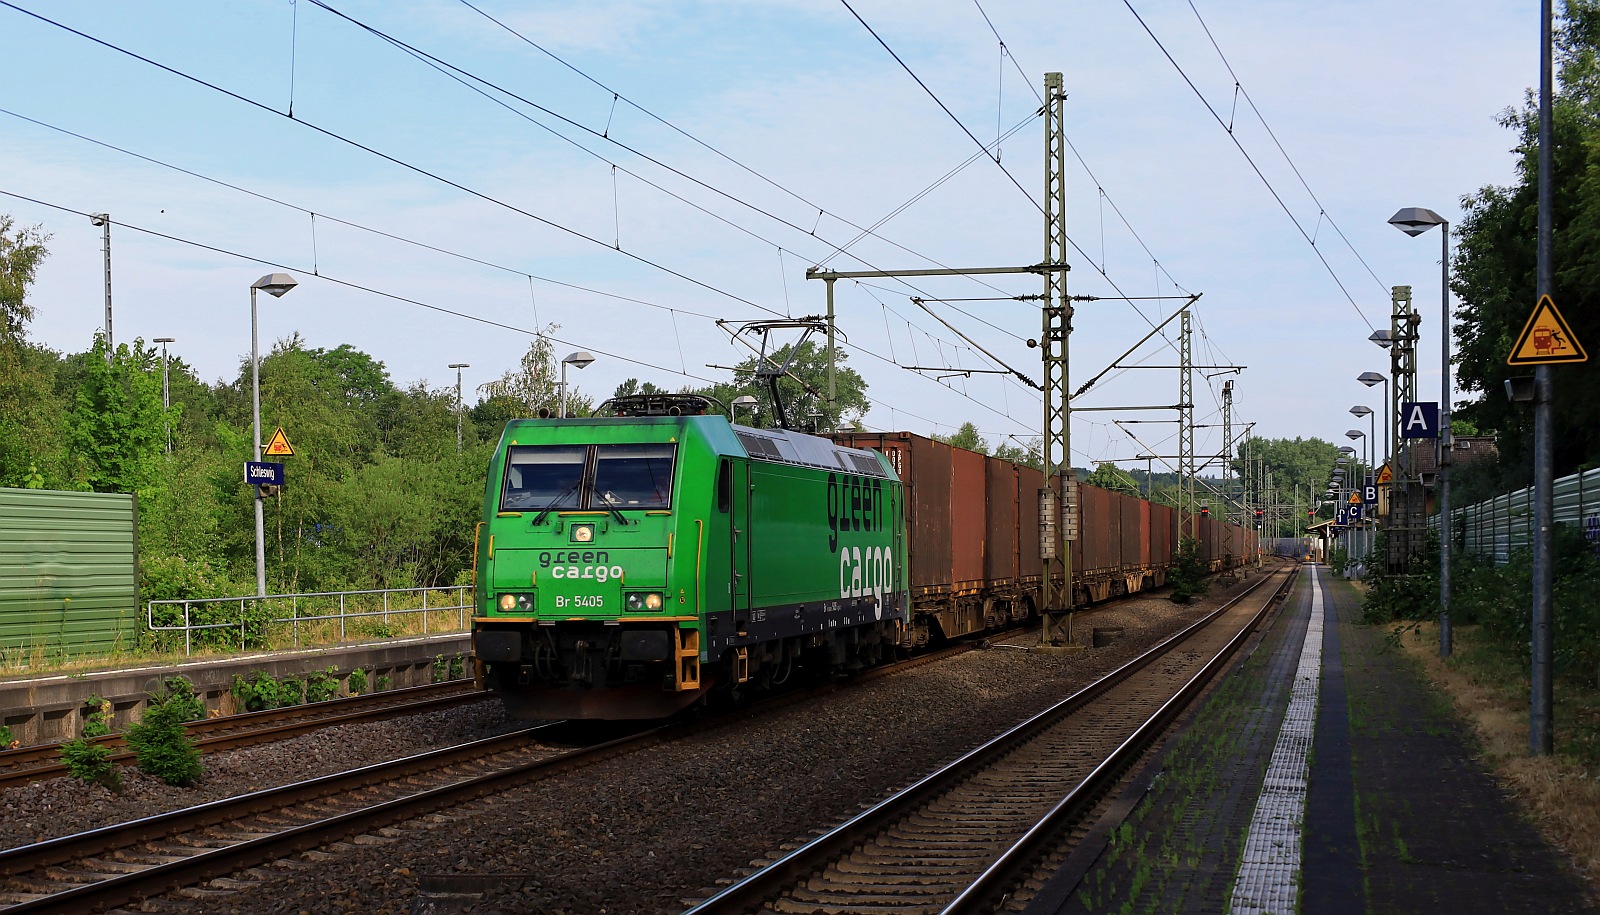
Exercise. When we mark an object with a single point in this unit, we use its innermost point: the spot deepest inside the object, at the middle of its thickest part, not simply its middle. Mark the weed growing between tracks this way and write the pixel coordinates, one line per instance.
(1178, 850)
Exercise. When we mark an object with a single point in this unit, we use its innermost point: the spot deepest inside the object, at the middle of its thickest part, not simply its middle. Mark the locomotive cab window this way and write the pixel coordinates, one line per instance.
(543, 476)
(633, 476)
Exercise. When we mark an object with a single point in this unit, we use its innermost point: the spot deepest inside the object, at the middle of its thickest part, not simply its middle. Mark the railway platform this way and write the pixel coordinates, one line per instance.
(1320, 723)
(50, 707)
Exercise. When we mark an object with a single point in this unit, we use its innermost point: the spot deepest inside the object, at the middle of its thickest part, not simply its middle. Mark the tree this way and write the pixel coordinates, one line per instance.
(1305, 463)
(536, 383)
(117, 425)
(965, 437)
(805, 400)
(21, 250)
(1495, 263)
(1031, 454)
(1109, 476)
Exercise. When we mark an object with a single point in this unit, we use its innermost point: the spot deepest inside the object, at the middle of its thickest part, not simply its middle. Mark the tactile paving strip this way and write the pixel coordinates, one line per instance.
(1269, 869)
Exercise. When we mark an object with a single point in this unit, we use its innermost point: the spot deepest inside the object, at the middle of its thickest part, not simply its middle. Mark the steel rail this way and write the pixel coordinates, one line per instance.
(757, 889)
(1003, 873)
(255, 727)
(163, 877)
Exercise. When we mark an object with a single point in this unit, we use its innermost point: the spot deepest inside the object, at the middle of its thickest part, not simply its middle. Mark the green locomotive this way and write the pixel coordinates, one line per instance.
(629, 564)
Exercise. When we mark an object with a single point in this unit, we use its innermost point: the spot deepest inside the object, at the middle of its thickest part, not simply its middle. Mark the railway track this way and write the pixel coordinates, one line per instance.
(211, 735)
(127, 862)
(963, 838)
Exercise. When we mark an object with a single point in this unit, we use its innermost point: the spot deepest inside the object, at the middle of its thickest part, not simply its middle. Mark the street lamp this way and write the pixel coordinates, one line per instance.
(103, 222)
(1414, 221)
(746, 401)
(1383, 337)
(275, 285)
(1369, 379)
(166, 397)
(579, 359)
(458, 366)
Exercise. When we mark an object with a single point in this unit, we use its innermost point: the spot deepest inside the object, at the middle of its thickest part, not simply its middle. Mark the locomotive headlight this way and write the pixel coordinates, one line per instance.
(508, 602)
(583, 533)
(644, 602)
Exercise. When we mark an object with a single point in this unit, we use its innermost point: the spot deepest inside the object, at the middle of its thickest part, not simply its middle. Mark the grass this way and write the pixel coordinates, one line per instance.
(1490, 688)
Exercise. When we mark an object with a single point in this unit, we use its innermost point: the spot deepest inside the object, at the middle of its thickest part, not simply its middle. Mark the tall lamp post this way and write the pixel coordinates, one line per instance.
(748, 402)
(1359, 411)
(1414, 221)
(275, 285)
(166, 396)
(103, 221)
(1369, 379)
(458, 366)
(1359, 479)
(580, 359)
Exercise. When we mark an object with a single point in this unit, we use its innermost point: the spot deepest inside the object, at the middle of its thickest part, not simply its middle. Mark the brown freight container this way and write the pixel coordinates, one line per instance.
(1000, 559)
(1161, 536)
(968, 511)
(1133, 531)
(1029, 482)
(1099, 537)
(1145, 541)
(924, 469)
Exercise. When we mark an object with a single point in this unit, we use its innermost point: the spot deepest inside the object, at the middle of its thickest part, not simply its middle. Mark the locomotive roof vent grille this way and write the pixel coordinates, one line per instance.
(860, 463)
(759, 446)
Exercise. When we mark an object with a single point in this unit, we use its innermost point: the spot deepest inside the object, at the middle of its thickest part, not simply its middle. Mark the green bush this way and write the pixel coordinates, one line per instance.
(161, 743)
(91, 763)
(358, 682)
(1188, 574)
(7, 741)
(1409, 595)
(97, 717)
(1339, 559)
(320, 687)
(179, 693)
(262, 691)
(1499, 597)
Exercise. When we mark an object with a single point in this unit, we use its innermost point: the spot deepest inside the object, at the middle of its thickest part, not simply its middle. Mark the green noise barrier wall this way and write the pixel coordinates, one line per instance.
(69, 581)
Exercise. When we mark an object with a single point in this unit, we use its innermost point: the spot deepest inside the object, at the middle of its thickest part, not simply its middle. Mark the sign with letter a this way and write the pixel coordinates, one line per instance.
(1419, 420)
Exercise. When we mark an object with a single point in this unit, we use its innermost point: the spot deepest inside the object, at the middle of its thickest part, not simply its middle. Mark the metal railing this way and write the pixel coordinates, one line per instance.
(257, 619)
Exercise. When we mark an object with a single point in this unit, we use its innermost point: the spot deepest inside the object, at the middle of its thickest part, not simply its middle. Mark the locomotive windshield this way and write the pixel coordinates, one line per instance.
(593, 477)
(632, 476)
(543, 476)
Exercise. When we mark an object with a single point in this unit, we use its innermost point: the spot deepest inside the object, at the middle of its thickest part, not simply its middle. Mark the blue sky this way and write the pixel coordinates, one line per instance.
(1380, 105)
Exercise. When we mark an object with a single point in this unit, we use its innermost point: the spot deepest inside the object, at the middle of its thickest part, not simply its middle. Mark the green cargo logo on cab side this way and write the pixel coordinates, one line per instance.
(854, 504)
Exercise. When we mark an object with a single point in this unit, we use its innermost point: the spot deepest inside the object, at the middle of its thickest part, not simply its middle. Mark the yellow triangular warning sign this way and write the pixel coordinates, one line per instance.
(1355, 498)
(279, 446)
(1547, 339)
(1385, 475)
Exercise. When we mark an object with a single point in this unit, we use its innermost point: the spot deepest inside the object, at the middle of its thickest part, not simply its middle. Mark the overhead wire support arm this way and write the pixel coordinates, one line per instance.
(922, 304)
(1142, 340)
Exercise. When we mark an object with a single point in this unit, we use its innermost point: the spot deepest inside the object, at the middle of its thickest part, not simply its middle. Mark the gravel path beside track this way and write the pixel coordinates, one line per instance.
(641, 832)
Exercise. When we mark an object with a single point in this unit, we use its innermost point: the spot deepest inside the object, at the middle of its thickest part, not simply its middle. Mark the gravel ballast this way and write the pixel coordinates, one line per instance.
(641, 832)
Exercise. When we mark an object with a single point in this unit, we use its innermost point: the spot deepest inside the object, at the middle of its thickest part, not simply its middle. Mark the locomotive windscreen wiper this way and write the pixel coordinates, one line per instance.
(610, 500)
(539, 518)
